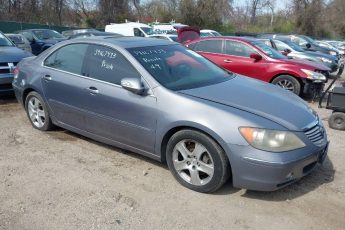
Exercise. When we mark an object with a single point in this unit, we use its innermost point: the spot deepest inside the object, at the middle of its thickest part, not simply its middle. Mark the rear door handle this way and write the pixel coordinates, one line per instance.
(47, 77)
(227, 61)
(92, 90)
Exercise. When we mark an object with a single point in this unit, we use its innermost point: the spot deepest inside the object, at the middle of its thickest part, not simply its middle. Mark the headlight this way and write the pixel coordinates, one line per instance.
(271, 140)
(314, 75)
(333, 53)
(325, 60)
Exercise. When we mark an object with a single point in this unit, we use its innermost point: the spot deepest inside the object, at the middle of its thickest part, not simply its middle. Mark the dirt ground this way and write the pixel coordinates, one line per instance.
(60, 180)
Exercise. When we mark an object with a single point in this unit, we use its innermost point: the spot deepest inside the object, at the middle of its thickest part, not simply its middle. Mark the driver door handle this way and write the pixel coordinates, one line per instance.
(47, 77)
(92, 90)
(227, 61)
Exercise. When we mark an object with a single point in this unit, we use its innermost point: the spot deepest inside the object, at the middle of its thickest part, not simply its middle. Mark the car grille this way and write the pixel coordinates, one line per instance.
(316, 135)
(6, 67)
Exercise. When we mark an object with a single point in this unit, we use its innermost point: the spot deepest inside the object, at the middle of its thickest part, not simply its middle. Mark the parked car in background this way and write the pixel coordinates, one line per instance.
(290, 49)
(130, 29)
(304, 42)
(69, 33)
(328, 45)
(169, 37)
(10, 55)
(252, 58)
(209, 33)
(41, 39)
(20, 41)
(93, 34)
(164, 101)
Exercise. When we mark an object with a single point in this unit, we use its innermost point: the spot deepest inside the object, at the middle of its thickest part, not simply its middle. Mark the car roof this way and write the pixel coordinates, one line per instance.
(247, 39)
(126, 42)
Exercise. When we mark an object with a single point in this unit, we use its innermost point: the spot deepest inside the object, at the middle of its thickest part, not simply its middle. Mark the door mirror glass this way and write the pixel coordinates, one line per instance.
(133, 85)
(257, 57)
(308, 46)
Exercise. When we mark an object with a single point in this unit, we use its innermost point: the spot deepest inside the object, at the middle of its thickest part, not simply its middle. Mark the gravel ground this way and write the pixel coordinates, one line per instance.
(60, 180)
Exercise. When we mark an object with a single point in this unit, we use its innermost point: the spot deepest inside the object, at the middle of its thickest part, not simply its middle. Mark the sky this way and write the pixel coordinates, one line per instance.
(279, 4)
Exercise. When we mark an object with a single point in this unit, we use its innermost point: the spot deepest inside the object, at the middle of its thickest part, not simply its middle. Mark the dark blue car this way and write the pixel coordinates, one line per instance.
(41, 39)
(10, 55)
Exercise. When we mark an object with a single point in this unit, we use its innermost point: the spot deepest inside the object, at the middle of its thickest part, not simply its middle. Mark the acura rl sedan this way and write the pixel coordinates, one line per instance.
(164, 101)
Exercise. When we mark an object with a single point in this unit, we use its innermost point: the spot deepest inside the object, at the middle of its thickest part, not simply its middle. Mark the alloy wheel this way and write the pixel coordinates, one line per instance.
(36, 112)
(193, 162)
(286, 84)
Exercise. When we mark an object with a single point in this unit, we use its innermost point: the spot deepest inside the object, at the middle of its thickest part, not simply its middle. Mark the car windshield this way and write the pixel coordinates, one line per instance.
(294, 46)
(268, 50)
(147, 30)
(4, 41)
(46, 34)
(178, 68)
(17, 39)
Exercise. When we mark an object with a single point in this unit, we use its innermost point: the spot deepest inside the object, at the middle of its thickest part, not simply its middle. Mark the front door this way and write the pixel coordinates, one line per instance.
(114, 112)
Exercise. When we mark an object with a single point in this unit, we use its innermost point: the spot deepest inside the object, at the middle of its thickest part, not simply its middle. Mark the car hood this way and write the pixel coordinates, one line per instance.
(309, 64)
(260, 98)
(319, 54)
(12, 54)
(53, 41)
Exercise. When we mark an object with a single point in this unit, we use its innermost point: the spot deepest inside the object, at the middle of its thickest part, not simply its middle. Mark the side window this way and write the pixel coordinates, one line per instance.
(68, 58)
(106, 64)
(211, 46)
(138, 33)
(267, 42)
(192, 46)
(238, 49)
(28, 36)
(281, 46)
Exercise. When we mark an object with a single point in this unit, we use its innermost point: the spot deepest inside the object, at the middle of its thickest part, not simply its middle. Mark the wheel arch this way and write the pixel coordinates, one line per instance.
(170, 132)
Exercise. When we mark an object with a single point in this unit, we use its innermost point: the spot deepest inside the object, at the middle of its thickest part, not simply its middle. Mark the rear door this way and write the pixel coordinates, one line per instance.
(113, 112)
(212, 50)
(64, 85)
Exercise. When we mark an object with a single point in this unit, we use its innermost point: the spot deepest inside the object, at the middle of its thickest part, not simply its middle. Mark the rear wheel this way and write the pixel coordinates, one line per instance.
(37, 112)
(289, 83)
(197, 161)
(337, 121)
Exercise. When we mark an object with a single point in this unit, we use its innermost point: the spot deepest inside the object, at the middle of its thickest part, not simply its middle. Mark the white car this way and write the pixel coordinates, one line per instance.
(130, 29)
(170, 37)
(209, 33)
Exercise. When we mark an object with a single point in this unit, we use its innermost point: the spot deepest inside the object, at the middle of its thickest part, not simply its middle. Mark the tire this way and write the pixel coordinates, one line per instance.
(203, 170)
(37, 112)
(337, 121)
(289, 83)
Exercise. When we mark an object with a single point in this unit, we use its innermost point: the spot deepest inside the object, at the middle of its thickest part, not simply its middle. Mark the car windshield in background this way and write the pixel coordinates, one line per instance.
(178, 68)
(294, 46)
(17, 39)
(174, 38)
(4, 41)
(268, 50)
(47, 34)
(147, 30)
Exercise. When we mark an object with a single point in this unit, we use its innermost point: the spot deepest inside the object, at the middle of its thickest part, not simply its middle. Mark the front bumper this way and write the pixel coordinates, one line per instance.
(254, 169)
(6, 83)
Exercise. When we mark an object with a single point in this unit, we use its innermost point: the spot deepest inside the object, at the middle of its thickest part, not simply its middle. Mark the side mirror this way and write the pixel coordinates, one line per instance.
(287, 51)
(256, 57)
(308, 46)
(133, 85)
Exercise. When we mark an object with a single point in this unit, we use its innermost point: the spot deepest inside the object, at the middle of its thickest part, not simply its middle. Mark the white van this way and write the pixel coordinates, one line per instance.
(130, 29)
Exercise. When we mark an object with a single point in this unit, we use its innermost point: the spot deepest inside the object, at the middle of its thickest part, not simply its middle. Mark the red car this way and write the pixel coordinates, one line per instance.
(250, 57)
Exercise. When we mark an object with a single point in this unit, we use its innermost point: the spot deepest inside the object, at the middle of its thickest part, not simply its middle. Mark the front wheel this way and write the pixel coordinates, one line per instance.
(289, 83)
(197, 161)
